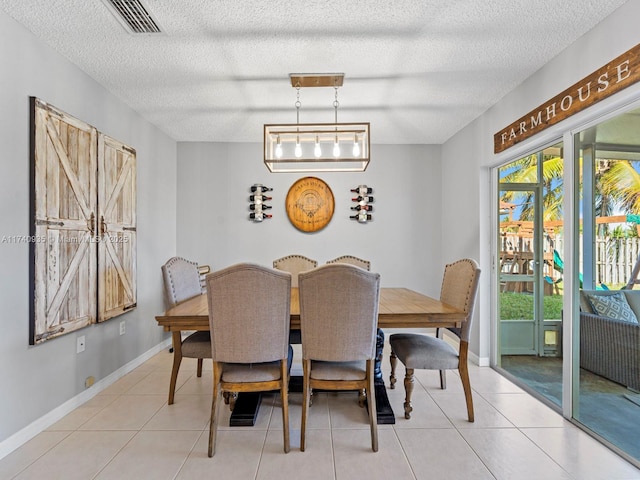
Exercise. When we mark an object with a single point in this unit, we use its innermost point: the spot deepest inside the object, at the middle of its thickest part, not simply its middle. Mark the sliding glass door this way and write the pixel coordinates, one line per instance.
(606, 399)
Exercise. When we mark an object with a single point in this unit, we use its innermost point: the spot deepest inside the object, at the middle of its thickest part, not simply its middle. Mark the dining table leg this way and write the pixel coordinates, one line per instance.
(383, 407)
(246, 408)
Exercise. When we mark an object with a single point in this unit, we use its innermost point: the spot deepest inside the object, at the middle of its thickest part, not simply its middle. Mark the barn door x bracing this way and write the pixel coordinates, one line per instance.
(83, 230)
(117, 228)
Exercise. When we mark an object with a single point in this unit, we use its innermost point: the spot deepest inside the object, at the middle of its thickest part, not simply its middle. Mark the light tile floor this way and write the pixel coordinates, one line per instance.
(129, 431)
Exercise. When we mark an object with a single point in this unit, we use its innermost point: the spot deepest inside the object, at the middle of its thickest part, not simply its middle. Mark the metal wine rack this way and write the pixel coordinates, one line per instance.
(363, 208)
(257, 206)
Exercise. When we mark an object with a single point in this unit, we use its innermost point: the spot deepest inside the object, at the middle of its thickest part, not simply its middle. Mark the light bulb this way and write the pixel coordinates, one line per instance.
(298, 151)
(336, 148)
(278, 148)
(317, 151)
(356, 147)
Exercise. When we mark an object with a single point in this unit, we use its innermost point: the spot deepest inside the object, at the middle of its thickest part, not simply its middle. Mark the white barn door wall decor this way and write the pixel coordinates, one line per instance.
(63, 255)
(117, 228)
(82, 269)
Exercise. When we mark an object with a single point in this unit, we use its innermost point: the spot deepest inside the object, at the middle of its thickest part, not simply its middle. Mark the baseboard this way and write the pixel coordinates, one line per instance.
(480, 361)
(34, 428)
(473, 358)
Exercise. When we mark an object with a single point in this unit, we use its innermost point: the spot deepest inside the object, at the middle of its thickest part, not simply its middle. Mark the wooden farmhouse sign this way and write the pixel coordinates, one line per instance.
(618, 74)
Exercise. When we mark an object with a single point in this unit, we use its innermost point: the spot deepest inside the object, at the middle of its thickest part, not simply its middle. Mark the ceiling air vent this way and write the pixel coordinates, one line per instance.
(133, 16)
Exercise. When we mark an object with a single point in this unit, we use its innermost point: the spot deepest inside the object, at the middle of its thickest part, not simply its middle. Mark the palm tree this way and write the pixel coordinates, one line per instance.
(621, 182)
(525, 170)
(617, 186)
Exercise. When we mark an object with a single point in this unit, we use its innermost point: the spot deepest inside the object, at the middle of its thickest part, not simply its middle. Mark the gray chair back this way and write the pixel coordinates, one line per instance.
(181, 279)
(339, 313)
(294, 264)
(351, 260)
(249, 308)
(459, 289)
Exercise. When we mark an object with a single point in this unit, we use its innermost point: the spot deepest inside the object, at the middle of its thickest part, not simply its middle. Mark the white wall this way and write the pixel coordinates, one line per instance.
(38, 379)
(467, 197)
(403, 241)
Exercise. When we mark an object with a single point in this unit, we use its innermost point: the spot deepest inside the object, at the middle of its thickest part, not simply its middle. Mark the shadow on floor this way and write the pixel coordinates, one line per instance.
(608, 408)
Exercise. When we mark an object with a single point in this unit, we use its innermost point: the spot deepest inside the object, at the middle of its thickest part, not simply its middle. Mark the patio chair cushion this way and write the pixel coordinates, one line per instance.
(613, 306)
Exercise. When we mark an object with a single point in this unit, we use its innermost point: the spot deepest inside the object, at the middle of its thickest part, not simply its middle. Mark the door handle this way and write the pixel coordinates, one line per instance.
(103, 226)
(91, 224)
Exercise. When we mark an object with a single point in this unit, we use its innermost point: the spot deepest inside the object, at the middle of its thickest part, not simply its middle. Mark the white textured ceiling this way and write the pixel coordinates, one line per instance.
(418, 70)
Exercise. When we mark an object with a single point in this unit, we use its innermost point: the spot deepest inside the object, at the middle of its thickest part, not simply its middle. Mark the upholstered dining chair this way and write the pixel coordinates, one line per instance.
(182, 281)
(294, 264)
(339, 317)
(249, 308)
(366, 264)
(419, 351)
(350, 259)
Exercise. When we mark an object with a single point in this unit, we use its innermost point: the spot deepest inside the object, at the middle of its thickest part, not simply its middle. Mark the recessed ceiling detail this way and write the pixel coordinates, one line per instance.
(133, 15)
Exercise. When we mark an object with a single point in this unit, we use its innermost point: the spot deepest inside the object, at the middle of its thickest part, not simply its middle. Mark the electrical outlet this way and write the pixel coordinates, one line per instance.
(122, 328)
(80, 344)
(89, 381)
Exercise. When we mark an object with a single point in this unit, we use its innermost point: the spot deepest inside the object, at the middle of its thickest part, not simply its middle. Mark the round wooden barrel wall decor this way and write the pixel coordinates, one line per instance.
(310, 204)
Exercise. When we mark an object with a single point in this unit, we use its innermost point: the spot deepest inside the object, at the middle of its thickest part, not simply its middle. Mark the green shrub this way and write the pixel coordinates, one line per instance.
(519, 306)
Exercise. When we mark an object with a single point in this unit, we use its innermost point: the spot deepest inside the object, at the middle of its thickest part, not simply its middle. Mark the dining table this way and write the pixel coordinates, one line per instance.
(398, 308)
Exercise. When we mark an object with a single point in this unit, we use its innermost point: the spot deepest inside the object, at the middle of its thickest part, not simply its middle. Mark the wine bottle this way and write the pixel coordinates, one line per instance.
(259, 206)
(362, 217)
(362, 190)
(360, 198)
(260, 188)
(368, 208)
(258, 217)
(259, 198)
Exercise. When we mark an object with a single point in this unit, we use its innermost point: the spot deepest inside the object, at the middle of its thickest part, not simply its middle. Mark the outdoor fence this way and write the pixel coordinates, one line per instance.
(615, 258)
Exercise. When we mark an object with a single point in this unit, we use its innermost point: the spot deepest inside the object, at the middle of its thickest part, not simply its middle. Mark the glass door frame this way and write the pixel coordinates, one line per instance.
(570, 359)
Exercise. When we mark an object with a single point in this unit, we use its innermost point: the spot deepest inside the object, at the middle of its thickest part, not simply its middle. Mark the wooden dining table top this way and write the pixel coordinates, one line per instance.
(398, 308)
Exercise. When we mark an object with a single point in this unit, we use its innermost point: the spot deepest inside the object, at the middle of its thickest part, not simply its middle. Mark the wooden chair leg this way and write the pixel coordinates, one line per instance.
(177, 359)
(362, 397)
(466, 385)
(463, 368)
(233, 396)
(306, 366)
(408, 388)
(284, 398)
(371, 399)
(199, 372)
(393, 360)
(213, 422)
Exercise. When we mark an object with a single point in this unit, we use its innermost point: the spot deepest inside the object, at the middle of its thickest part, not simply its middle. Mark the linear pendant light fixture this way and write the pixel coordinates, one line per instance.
(316, 147)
